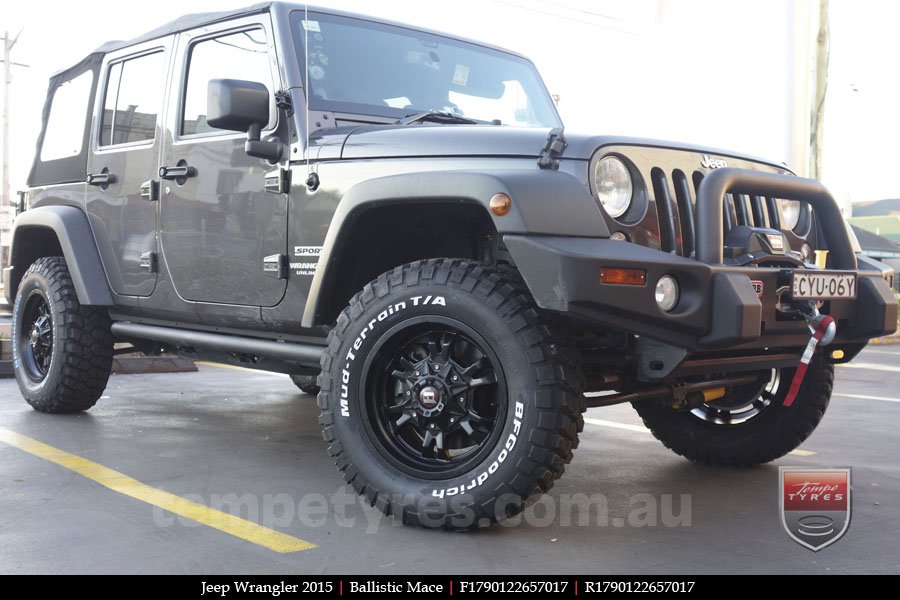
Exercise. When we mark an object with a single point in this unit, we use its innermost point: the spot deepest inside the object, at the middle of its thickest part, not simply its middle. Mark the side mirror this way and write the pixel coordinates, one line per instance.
(236, 105)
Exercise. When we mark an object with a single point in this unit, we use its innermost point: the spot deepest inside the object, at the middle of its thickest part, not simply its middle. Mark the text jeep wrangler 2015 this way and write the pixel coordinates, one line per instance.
(401, 214)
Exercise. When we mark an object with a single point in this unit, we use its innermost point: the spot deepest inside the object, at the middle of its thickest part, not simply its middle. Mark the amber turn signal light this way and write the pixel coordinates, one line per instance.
(500, 204)
(623, 276)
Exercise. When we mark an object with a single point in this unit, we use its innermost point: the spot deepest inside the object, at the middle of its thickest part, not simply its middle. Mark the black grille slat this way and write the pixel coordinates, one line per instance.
(685, 211)
(728, 213)
(759, 211)
(740, 209)
(663, 210)
(774, 214)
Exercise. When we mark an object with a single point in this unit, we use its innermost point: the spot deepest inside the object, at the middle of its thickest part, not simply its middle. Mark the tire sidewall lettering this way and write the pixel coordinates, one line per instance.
(349, 358)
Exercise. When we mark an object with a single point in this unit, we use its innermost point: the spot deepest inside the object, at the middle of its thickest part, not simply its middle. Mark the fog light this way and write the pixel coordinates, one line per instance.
(667, 292)
(619, 237)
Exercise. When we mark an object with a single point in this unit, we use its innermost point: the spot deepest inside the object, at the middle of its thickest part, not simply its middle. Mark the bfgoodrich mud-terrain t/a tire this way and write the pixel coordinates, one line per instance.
(750, 424)
(446, 400)
(62, 351)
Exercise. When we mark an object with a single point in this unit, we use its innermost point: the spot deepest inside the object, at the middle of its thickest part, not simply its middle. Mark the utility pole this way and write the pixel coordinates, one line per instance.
(817, 120)
(5, 202)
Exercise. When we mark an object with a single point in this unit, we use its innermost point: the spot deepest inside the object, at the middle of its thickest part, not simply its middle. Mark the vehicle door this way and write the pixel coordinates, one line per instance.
(124, 158)
(218, 224)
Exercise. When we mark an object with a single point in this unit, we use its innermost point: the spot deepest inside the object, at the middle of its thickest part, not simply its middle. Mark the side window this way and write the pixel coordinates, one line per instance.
(242, 55)
(65, 126)
(133, 97)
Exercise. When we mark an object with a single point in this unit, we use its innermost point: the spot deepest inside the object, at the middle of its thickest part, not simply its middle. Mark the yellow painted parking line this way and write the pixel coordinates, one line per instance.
(237, 368)
(123, 484)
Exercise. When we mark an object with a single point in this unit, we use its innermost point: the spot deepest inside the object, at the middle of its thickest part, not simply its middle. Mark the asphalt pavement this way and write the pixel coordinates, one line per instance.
(225, 470)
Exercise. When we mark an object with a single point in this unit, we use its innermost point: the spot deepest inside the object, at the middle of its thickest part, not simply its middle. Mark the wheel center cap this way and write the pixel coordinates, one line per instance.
(429, 397)
(35, 337)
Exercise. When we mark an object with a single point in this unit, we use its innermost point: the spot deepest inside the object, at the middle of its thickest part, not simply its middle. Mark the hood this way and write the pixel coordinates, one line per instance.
(399, 141)
(394, 141)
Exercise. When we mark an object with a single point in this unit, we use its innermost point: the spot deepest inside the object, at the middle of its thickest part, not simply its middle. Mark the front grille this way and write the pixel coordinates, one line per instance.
(676, 218)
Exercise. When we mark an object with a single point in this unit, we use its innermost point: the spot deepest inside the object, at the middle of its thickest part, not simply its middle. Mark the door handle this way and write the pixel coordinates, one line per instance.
(179, 172)
(104, 178)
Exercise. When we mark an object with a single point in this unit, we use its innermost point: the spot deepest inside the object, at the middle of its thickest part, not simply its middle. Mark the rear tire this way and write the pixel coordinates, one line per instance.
(62, 351)
(306, 384)
(446, 399)
(744, 431)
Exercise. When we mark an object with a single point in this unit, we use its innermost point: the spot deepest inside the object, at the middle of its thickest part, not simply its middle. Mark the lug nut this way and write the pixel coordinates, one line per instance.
(455, 378)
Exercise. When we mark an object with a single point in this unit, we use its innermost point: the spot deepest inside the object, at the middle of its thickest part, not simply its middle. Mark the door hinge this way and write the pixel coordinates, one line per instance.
(150, 191)
(275, 266)
(148, 262)
(278, 181)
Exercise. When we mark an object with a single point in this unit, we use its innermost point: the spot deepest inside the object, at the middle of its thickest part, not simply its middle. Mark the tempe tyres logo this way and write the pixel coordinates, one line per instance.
(815, 505)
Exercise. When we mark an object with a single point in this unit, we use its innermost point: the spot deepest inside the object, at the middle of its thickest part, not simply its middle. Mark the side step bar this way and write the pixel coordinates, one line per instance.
(303, 354)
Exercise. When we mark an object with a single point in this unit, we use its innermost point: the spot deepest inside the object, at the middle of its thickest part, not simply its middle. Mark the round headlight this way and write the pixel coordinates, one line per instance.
(667, 292)
(613, 186)
(790, 210)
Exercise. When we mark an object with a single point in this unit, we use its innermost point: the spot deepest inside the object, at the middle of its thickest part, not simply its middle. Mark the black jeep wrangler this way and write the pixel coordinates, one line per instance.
(398, 219)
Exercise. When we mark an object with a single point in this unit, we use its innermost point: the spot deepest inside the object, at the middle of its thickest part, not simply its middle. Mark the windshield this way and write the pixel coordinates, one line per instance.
(361, 67)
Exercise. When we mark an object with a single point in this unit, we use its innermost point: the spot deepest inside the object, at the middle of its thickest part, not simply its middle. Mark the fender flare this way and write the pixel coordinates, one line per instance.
(72, 230)
(543, 203)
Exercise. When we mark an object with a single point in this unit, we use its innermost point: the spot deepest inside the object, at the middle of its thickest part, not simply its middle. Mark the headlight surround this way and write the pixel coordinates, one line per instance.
(790, 211)
(613, 186)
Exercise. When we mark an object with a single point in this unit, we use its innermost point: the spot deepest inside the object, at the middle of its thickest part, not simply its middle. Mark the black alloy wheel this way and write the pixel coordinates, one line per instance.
(436, 392)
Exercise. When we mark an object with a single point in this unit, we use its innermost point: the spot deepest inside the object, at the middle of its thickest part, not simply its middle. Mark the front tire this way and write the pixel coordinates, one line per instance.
(62, 351)
(446, 400)
(748, 426)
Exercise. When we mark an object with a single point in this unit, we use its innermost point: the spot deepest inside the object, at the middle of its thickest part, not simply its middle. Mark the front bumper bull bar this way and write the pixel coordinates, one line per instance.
(719, 307)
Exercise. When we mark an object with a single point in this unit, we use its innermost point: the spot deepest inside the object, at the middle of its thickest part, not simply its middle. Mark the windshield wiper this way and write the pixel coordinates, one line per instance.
(437, 116)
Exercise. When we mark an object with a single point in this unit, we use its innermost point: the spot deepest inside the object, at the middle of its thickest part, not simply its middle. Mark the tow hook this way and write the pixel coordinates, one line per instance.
(815, 319)
(809, 310)
(823, 331)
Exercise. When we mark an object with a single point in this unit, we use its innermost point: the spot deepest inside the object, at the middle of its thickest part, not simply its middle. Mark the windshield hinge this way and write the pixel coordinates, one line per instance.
(283, 102)
(553, 149)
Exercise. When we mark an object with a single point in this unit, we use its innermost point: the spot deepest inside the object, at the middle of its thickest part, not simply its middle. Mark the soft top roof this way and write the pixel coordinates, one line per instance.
(184, 23)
